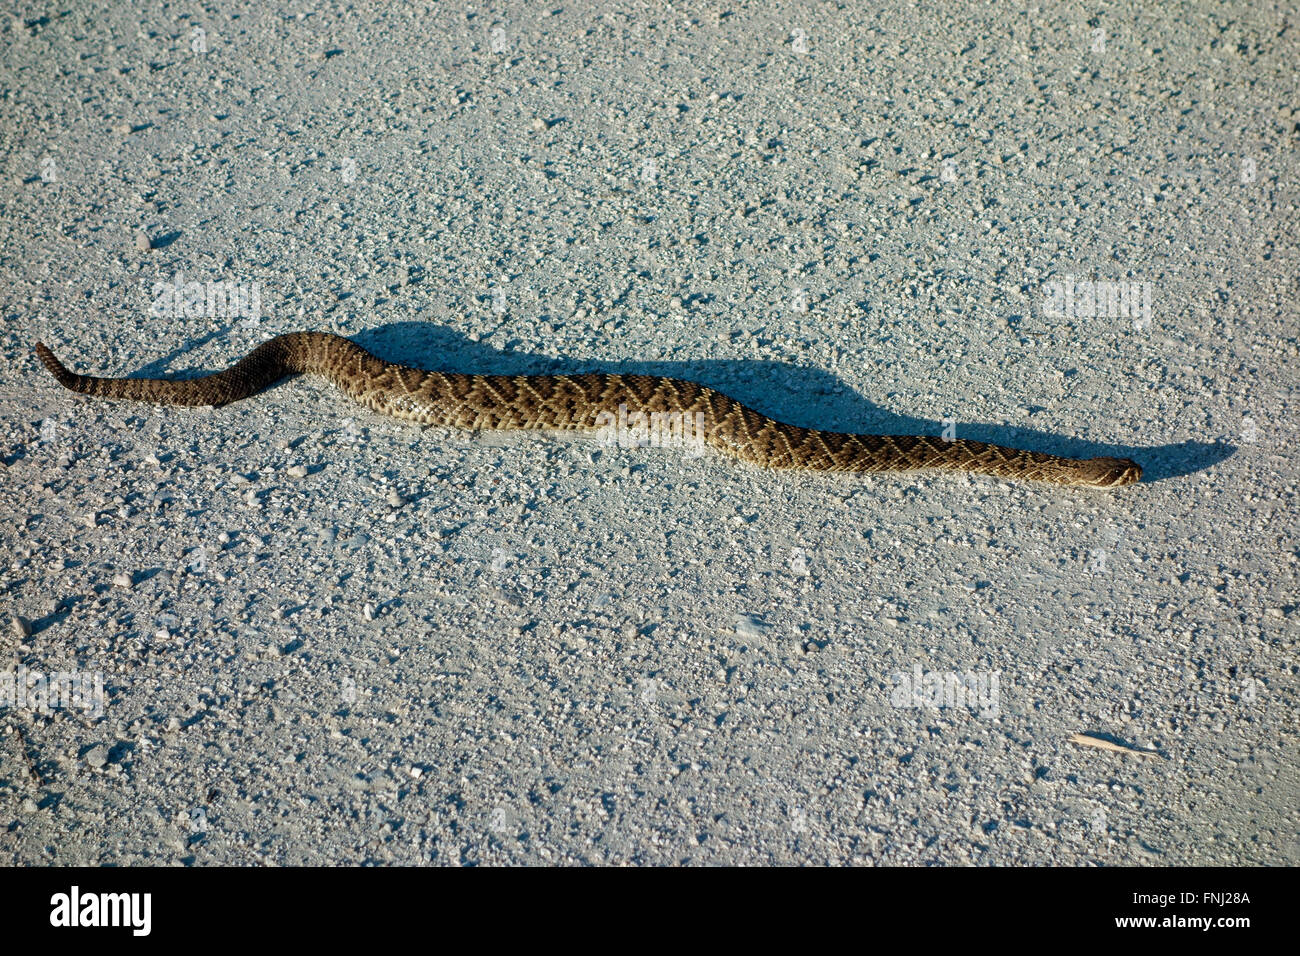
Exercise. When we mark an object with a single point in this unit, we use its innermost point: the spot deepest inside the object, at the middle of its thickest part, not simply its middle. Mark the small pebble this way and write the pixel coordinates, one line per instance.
(97, 756)
(123, 580)
(297, 471)
(20, 626)
(142, 242)
(395, 499)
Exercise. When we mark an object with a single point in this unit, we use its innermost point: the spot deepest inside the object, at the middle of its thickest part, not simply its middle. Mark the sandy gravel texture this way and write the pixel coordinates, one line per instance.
(328, 637)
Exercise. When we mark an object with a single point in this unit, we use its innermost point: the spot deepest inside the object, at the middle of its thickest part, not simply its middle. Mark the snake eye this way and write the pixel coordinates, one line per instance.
(1130, 474)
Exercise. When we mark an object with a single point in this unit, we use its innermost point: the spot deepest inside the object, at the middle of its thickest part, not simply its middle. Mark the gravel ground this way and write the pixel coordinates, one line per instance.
(328, 637)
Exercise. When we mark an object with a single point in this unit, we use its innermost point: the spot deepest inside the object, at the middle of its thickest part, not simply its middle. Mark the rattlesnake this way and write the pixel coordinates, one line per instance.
(581, 402)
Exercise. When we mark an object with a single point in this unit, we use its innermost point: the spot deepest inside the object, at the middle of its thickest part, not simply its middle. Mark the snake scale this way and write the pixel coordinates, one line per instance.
(582, 402)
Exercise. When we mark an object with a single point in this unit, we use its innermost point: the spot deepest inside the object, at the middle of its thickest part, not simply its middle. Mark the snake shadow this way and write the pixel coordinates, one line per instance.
(801, 395)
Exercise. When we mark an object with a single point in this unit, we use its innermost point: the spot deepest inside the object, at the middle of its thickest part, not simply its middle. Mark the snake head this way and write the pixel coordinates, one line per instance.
(1110, 472)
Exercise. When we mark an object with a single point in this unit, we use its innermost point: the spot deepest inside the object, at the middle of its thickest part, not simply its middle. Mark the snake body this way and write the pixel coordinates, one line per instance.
(584, 402)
